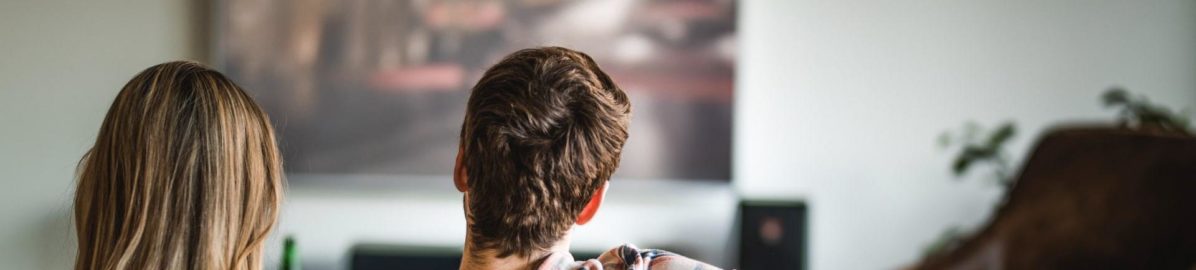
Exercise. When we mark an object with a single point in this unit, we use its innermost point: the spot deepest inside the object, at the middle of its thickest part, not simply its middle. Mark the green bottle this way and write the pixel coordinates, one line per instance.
(290, 255)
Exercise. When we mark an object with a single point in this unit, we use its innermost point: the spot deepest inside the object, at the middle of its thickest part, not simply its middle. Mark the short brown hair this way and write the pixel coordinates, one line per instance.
(544, 129)
(184, 174)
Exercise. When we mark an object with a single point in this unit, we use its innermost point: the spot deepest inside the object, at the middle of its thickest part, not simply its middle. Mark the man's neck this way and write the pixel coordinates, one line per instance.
(482, 259)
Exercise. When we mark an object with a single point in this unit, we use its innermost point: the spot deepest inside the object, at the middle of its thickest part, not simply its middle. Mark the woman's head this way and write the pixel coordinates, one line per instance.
(184, 174)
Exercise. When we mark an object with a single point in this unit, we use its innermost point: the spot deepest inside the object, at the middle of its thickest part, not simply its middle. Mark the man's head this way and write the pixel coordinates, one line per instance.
(543, 132)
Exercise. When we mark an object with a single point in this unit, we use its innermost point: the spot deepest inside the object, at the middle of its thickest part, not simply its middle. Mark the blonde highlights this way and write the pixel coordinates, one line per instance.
(184, 174)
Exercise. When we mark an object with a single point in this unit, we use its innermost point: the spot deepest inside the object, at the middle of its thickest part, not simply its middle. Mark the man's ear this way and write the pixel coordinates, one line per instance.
(592, 207)
(459, 177)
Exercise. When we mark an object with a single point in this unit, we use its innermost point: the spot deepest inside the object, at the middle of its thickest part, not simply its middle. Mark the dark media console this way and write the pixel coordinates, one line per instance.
(398, 257)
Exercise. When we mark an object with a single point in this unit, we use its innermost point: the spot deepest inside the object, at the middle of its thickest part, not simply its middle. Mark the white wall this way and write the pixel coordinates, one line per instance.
(61, 63)
(840, 102)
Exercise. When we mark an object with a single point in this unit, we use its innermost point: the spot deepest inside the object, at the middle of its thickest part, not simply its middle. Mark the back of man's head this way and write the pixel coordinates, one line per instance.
(544, 129)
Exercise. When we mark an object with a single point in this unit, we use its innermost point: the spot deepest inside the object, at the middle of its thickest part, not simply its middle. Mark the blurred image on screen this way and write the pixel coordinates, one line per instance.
(379, 87)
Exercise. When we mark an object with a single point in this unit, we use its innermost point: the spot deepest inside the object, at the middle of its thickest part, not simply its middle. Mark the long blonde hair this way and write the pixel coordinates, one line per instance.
(184, 174)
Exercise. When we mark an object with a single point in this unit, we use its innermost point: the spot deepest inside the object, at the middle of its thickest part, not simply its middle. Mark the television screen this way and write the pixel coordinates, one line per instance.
(379, 87)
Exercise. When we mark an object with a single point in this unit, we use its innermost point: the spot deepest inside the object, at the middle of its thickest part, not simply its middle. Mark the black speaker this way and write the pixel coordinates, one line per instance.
(772, 235)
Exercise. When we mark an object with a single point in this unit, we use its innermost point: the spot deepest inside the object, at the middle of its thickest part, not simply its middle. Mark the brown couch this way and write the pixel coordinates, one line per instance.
(1092, 198)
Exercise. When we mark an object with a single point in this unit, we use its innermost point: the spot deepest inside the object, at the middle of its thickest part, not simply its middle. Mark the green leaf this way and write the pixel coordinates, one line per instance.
(1115, 95)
